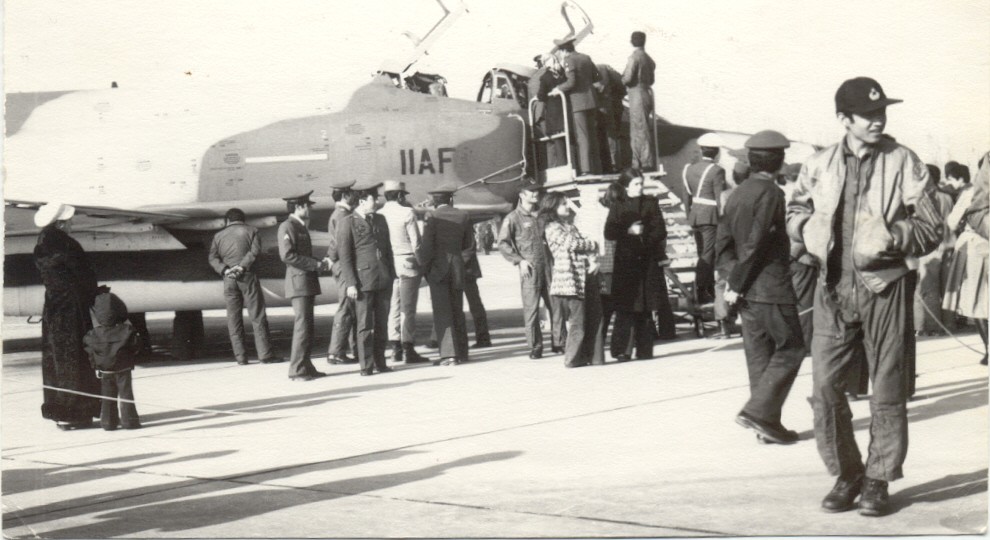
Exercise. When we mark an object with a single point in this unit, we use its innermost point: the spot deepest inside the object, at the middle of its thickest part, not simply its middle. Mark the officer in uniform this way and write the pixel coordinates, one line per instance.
(343, 320)
(232, 254)
(448, 244)
(367, 269)
(581, 74)
(404, 234)
(753, 254)
(704, 182)
(638, 77)
(302, 283)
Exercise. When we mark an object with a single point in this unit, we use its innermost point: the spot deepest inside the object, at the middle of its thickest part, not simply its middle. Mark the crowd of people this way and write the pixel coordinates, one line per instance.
(847, 256)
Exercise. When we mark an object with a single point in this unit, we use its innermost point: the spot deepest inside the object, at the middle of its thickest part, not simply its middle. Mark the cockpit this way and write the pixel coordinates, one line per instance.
(506, 83)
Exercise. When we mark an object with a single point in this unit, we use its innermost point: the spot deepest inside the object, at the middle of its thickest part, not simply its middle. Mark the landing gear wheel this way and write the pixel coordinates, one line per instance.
(699, 327)
(187, 334)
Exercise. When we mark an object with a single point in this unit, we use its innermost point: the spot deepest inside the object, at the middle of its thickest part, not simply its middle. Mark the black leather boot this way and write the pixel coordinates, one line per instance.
(396, 350)
(413, 357)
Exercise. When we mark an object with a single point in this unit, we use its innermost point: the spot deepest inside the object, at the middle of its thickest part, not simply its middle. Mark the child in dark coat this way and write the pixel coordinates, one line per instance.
(112, 345)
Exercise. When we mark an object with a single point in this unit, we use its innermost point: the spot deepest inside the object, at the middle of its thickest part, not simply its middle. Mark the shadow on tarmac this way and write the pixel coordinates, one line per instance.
(212, 503)
(952, 486)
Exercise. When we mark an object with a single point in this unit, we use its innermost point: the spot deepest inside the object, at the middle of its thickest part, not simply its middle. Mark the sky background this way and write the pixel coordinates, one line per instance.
(735, 65)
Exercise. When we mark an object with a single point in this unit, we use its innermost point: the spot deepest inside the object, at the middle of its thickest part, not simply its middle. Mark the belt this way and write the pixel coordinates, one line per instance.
(703, 201)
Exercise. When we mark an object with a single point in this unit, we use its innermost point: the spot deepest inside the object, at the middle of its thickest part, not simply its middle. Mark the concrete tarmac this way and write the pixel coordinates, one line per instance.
(503, 446)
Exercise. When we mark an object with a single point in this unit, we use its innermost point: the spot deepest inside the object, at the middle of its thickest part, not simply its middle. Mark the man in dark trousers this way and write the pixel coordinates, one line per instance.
(704, 182)
(343, 321)
(479, 316)
(638, 78)
(522, 243)
(753, 252)
(581, 74)
(861, 207)
(448, 244)
(232, 255)
(302, 283)
(367, 269)
(549, 112)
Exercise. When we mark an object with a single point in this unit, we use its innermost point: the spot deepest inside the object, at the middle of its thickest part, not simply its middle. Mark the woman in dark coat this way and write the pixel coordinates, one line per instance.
(70, 287)
(635, 224)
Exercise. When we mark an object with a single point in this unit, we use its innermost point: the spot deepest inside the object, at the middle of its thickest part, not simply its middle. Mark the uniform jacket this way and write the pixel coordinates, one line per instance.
(403, 231)
(296, 250)
(448, 245)
(572, 253)
(340, 212)
(703, 191)
(365, 251)
(640, 70)
(236, 245)
(899, 195)
(636, 275)
(581, 73)
(752, 248)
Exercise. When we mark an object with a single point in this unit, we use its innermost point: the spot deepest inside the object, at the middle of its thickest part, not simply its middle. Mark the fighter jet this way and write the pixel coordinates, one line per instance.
(152, 173)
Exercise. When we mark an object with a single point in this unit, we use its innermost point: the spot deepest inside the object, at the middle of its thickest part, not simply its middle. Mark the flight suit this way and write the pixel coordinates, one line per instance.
(638, 78)
(521, 238)
(704, 182)
(302, 284)
(366, 263)
(581, 74)
(754, 253)
(448, 244)
(238, 245)
(343, 320)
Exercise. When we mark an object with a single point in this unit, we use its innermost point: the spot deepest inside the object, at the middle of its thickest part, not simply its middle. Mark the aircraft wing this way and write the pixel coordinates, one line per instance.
(19, 216)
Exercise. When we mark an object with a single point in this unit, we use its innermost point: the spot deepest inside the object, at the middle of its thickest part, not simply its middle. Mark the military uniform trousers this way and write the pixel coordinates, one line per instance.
(477, 308)
(402, 310)
(302, 337)
(344, 326)
(371, 309)
(585, 125)
(641, 128)
(704, 271)
(774, 351)
(449, 323)
(876, 330)
(238, 293)
(533, 288)
(585, 331)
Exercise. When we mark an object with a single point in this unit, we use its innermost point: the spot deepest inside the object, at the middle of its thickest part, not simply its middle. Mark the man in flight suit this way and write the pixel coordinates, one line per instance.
(638, 78)
(861, 208)
(581, 74)
(448, 244)
(704, 182)
(302, 283)
(232, 254)
(367, 269)
(753, 252)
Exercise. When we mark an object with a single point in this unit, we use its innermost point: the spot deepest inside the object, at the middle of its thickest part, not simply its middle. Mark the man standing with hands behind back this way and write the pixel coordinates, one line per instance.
(302, 283)
(232, 254)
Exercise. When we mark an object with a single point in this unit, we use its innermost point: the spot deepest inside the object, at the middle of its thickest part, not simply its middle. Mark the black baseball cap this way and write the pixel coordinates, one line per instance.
(861, 95)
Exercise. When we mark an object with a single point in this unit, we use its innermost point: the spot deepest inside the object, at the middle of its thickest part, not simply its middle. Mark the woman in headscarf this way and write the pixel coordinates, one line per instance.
(635, 224)
(70, 287)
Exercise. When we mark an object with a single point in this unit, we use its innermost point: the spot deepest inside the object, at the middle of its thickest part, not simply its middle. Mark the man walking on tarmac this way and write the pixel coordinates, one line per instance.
(343, 321)
(704, 182)
(753, 253)
(522, 243)
(860, 207)
(638, 78)
(404, 235)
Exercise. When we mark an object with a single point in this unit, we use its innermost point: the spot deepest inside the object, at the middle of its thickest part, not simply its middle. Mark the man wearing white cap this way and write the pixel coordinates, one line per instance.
(70, 287)
(405, 238)
(704, 182)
